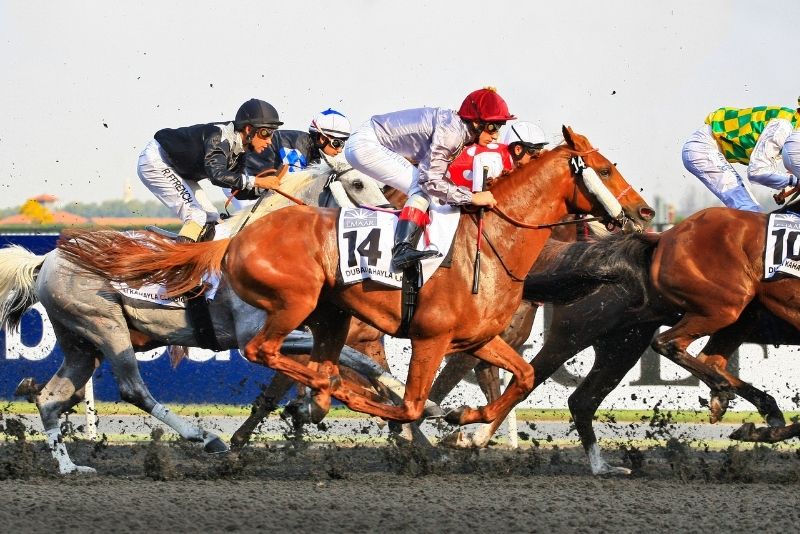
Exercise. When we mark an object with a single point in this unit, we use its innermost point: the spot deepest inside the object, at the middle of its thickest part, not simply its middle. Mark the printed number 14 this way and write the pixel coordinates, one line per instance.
(369, 248)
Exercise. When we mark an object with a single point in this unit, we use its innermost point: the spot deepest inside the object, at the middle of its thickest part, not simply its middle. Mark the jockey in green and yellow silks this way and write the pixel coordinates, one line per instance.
(750, 136)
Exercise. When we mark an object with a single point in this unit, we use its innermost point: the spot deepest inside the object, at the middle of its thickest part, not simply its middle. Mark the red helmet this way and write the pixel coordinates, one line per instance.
(485, 105)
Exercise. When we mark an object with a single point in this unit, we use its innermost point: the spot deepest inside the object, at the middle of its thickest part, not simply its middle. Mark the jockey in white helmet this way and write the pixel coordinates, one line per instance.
(329, 129)
(525, 141)
(327, 132)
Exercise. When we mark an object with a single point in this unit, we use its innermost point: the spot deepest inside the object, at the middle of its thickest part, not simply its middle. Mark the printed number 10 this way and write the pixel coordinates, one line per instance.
(780, 238)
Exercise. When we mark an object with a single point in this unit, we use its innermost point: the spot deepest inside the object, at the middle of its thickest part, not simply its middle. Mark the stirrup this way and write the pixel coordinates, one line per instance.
(405, 256)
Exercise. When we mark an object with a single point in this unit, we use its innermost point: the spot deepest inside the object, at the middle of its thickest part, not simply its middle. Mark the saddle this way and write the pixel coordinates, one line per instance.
(206, 234)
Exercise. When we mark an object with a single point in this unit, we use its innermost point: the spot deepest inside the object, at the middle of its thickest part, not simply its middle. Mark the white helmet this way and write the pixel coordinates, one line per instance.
(331, 123)
(526, 133)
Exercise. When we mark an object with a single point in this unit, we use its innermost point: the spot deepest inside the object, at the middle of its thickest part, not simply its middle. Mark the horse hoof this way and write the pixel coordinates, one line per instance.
(744, 432)
(454, 416)
(433, 412)
(215, 446)
(456, 440)
(316, 413)
(610, 470)
(79, 469)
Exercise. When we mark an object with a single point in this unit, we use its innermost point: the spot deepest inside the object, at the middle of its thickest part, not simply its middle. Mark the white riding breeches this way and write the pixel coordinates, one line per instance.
(186, 198)
(791, 153)
(366, 154)
(703, 158)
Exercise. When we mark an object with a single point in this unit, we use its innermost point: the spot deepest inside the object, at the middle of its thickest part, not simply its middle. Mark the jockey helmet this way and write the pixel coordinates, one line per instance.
(525, 133)
(330, 123)
(485, 105)
(258, 114)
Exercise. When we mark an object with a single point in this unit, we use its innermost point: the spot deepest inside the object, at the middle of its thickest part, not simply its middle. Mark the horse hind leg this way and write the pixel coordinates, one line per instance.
(615, 355)
(63, 391)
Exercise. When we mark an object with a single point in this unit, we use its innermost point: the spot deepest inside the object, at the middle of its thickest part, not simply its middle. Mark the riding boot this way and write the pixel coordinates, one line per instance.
(404, 252)
(190, 232)
(208, 231)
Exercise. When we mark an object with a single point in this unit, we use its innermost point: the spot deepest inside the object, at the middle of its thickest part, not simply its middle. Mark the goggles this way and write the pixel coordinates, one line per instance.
(491, 127)
(336, 142)
(264, 133)
(531, 150)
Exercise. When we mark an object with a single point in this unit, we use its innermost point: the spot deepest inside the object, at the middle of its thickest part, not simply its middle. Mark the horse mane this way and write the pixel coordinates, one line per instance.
(291, 184)
(574, 270)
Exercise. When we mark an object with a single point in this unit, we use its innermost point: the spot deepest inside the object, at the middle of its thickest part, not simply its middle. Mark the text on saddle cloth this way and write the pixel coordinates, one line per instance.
(156, 293)
(366, 237)
(782, 250)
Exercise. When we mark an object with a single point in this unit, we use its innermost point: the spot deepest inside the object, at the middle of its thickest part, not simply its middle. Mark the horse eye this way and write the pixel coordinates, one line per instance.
(358, 184)
(605, 173)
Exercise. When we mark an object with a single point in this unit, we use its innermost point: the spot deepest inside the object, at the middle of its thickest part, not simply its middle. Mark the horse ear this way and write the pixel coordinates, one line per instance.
(567, 132)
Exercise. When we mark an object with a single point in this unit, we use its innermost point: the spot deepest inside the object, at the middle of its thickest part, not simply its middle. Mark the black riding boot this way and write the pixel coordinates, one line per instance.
(404, 253)
(208, 232)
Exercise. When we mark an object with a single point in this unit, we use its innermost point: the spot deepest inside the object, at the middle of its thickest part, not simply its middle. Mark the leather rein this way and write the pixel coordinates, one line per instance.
(577, 170)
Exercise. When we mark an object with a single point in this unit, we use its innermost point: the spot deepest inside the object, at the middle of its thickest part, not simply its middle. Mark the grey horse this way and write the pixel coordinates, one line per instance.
(93, 320)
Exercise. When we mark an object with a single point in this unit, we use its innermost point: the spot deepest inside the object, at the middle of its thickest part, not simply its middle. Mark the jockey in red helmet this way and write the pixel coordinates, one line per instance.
(385, 146)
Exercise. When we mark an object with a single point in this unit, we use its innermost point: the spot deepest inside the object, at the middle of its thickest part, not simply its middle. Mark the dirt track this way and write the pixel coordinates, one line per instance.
(395, 488)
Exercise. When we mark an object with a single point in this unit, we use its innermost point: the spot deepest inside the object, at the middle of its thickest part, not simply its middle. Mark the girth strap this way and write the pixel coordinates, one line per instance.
(408, 298)
(200, 319)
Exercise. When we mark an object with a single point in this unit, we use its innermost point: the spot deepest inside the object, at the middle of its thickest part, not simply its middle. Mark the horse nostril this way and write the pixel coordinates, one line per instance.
(647, 213)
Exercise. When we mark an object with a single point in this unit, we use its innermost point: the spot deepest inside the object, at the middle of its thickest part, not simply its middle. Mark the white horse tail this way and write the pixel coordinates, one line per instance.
(18, 269)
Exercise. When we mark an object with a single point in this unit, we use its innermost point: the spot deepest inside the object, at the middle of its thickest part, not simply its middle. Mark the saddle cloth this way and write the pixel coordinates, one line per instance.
(366, 238)
(782, 251)
(156, 293)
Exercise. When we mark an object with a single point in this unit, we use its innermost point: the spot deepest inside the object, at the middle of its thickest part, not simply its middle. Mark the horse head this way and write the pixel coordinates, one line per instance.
(601, 190)
(347, 187)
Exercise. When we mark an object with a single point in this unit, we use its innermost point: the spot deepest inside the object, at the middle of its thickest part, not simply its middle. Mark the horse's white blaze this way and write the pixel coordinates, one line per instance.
(605, 197)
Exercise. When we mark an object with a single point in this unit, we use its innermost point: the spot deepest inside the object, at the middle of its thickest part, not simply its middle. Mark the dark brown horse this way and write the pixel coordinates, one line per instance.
(287, 265)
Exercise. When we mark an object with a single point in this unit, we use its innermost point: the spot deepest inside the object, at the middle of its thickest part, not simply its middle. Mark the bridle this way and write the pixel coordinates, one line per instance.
(588, 175)
(579, 170)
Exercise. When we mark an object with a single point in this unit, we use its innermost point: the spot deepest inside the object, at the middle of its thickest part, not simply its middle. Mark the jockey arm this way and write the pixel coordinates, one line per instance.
(765, 165)
(223, 167)
(447, 142)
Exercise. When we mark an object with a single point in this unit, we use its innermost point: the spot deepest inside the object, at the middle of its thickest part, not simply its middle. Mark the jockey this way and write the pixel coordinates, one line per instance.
(172, 164)
(525, 141)
(385, 146)
(752, 136)
(296, 149)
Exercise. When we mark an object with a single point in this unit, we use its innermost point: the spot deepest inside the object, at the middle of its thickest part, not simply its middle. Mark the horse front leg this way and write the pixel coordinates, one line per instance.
(673, 343)
(498, 353)
(716, 354)
(426, 357)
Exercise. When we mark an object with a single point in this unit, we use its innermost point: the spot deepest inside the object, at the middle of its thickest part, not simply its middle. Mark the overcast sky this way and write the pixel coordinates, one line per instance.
(85, 85)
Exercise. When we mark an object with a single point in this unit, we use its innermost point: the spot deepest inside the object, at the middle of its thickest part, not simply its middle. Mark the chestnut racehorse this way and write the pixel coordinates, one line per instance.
(287, 265)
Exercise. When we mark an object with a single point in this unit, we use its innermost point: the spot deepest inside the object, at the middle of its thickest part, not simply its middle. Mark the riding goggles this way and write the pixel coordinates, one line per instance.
(264, 133)
(492, 127)
(336, 143)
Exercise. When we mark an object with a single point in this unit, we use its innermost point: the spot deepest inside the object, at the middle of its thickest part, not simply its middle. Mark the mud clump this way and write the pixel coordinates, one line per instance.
(158, 464)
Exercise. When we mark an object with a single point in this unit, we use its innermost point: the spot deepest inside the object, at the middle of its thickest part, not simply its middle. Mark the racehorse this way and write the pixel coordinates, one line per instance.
(629, 305)
(292, 275)
(94, 320)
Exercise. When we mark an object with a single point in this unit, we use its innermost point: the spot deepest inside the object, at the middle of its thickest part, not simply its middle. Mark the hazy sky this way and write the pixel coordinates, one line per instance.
(85, 85)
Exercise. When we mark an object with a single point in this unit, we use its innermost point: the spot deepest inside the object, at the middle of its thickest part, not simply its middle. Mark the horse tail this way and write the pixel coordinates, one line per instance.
(142, 258)
(18, 270)
(581, 268)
